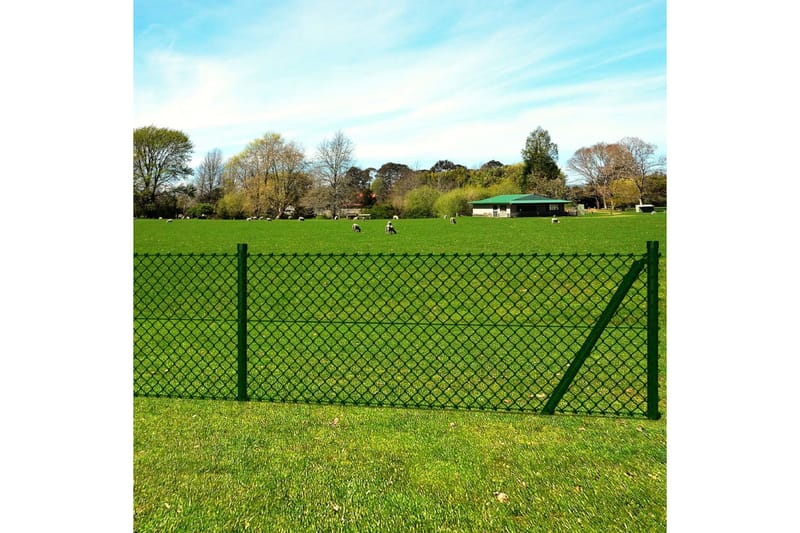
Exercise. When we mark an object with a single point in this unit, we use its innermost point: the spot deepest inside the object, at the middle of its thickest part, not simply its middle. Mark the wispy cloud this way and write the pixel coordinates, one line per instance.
(407, 84)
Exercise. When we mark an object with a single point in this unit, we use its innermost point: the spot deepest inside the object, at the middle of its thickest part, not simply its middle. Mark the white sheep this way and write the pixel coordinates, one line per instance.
(452, 220)
(356, 228)
(301, 219)
(554, 220)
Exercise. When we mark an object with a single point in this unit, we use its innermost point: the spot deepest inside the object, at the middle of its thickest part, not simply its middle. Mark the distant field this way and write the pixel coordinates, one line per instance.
(622, 233)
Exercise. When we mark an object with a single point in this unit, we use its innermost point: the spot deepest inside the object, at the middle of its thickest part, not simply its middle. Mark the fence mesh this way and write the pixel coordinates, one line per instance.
(461, 331)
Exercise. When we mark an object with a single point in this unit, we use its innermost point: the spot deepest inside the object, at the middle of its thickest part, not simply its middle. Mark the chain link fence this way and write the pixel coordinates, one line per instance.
(515, 332)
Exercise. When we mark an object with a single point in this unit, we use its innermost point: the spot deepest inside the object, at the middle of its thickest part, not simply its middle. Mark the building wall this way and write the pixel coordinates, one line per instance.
(496, 211)
(519, 210)
(538, 210)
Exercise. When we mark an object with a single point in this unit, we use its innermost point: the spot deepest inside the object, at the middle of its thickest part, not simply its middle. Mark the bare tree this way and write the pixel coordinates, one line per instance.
(333, 159)
(641, 162)
(208, 177)
(594, 164)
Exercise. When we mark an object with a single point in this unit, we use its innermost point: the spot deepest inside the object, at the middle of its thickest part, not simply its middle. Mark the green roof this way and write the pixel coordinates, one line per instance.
(518, 199)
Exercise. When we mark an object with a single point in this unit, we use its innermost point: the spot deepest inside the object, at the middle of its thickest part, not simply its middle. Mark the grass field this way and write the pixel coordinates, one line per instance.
(621, 233)
(226, 466)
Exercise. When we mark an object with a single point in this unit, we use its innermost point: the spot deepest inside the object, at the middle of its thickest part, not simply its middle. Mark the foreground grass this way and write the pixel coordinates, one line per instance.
(225, 466)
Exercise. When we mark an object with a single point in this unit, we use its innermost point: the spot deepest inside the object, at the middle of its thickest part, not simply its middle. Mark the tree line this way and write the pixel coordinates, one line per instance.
(274, 177)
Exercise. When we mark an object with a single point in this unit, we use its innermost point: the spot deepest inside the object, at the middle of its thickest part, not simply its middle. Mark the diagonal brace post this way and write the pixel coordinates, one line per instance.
(594, 336)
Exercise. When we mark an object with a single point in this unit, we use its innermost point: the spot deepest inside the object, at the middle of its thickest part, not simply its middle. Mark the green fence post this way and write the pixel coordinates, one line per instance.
(241, 360)
(652, 331)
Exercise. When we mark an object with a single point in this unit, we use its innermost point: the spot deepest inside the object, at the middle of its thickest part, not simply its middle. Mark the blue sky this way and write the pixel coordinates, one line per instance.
(407, 81)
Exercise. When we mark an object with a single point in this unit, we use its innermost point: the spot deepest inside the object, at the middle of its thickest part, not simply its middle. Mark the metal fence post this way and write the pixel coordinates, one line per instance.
(652, 330)
(241, 360)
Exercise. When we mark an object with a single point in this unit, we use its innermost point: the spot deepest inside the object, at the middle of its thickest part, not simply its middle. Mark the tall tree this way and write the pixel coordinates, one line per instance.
(334, 157)
(270, 173)
(540, 157)
(594, 165)
(387, 177)
(208, 177)
(160, 158)
(641, 162)
(360, 184)
(443, 165)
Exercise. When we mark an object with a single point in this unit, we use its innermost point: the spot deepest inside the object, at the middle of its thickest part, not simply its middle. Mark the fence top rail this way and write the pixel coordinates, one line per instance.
(387, 254)
(184, 254)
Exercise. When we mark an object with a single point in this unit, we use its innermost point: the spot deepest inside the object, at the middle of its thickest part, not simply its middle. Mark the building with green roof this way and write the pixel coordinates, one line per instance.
(518, 205)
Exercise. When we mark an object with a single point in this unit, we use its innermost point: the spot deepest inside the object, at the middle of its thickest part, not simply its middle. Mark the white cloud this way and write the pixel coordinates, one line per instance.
(397, 90)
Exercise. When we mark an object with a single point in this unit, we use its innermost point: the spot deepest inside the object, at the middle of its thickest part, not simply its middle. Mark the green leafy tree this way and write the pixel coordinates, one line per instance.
(443, 165)
(360, 182)
(387, 177)
(540, 157)
(549, 187)
(160, 158)
(657, 188)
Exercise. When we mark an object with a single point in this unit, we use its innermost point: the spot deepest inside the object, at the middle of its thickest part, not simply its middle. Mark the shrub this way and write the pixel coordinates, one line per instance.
(231, 206)
(200, 210)
(419, 202)
(382, 211)
(456, 202)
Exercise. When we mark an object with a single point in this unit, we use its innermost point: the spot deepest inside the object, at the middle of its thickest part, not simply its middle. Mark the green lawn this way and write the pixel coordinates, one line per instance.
(228, 466)
(621, 233)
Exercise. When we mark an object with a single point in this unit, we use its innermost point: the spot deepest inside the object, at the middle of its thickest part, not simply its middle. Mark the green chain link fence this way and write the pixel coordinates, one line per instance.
(515, 332)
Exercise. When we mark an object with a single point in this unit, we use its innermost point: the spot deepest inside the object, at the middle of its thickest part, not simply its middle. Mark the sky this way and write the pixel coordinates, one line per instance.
(408, 81)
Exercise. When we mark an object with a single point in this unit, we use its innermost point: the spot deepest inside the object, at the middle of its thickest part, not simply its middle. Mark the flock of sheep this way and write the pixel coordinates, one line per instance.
(390, 229)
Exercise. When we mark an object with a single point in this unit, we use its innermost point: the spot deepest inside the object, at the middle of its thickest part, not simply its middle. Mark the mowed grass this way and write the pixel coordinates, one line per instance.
(228, 466)
(621, 233)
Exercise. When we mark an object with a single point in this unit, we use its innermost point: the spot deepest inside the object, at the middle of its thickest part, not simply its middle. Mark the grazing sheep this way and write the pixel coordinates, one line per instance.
(301, 219)
(356, 228)
(554, 220)
(395, 217)
(390, 228)
(169, 220)
(452, 220)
